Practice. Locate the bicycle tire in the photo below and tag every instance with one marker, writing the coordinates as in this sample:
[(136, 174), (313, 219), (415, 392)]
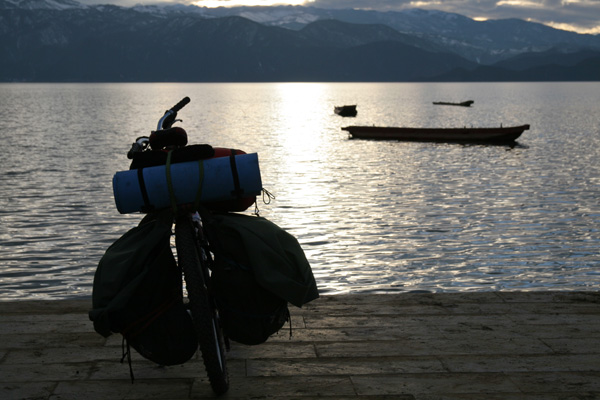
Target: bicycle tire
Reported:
[(204, 314)]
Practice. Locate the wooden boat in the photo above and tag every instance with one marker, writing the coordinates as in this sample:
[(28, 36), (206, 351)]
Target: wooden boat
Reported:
[(493, 135), (346, 111), (462, 103)]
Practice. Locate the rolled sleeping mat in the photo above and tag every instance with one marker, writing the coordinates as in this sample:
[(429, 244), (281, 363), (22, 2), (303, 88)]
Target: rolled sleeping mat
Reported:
[(207, 181)]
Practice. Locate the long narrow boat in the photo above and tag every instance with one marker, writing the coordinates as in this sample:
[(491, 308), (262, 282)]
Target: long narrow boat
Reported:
[(495, 135), (462, 103)]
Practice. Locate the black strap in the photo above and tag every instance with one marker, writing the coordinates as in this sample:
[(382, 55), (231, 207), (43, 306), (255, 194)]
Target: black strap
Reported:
[(147, 206), (170, 183), (238, 191), (127, 353), (200, 182)]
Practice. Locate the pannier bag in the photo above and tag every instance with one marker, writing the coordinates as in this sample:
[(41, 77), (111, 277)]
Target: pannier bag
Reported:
[(258, 269), (137, 291), (221, 179)]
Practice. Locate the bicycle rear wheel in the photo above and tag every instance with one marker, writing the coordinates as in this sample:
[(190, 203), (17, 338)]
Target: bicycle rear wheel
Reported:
[(204, 313)]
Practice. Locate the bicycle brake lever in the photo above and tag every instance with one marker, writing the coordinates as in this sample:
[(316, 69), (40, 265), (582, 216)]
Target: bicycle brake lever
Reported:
[(138, 146)]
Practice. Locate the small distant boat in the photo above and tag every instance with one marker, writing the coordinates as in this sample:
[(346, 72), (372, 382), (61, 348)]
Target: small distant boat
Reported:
[(346, 111), (462, 103), (473, 135)]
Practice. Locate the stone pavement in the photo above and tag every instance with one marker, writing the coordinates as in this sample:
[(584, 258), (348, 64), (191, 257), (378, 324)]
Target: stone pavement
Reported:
[(493, 345)]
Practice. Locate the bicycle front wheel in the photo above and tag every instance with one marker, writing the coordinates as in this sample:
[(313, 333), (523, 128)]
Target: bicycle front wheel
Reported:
[(204, 313)]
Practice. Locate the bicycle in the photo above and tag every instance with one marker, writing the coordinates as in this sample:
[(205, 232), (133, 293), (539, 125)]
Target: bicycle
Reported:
[(240, 271), (194, 258)]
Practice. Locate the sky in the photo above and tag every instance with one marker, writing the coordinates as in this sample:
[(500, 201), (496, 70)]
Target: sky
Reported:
[(582, 16)]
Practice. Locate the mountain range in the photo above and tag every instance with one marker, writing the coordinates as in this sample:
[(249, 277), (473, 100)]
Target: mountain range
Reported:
[(66, 41)]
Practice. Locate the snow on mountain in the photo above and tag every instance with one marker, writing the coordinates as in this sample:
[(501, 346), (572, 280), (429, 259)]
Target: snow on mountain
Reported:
[(281, 17), (41, 4), (168, 8)]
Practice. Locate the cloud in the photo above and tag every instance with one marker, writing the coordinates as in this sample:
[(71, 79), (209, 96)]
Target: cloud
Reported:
[(582, 15), (235, 3), (380, 5)]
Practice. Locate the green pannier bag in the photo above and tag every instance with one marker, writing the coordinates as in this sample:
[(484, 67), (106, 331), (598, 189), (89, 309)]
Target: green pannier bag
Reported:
[(258, 269), (137, 291)]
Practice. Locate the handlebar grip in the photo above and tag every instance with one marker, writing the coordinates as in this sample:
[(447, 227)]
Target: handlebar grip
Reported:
[(181, 104)]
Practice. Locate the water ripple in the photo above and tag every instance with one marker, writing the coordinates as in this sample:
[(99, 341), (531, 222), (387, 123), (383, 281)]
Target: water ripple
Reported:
[(372, 217)]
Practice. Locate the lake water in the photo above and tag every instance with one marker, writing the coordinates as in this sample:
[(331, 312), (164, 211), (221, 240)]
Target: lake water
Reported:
[(372, 216)]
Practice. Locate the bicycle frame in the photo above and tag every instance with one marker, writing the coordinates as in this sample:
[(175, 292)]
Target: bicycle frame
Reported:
[(195, 259)]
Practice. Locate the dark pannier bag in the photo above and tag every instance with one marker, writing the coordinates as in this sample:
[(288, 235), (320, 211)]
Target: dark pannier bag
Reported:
[(258, 269), (137, 291), (249, 313)]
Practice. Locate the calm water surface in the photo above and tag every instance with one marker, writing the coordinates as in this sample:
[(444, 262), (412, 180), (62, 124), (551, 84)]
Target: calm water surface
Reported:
[(372, 216)]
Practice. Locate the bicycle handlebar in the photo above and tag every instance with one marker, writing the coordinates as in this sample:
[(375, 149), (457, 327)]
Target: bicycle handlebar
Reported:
[(167, 120), (181, 104)]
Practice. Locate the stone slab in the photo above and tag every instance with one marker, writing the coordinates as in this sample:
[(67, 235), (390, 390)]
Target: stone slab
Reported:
[(405, 346)]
